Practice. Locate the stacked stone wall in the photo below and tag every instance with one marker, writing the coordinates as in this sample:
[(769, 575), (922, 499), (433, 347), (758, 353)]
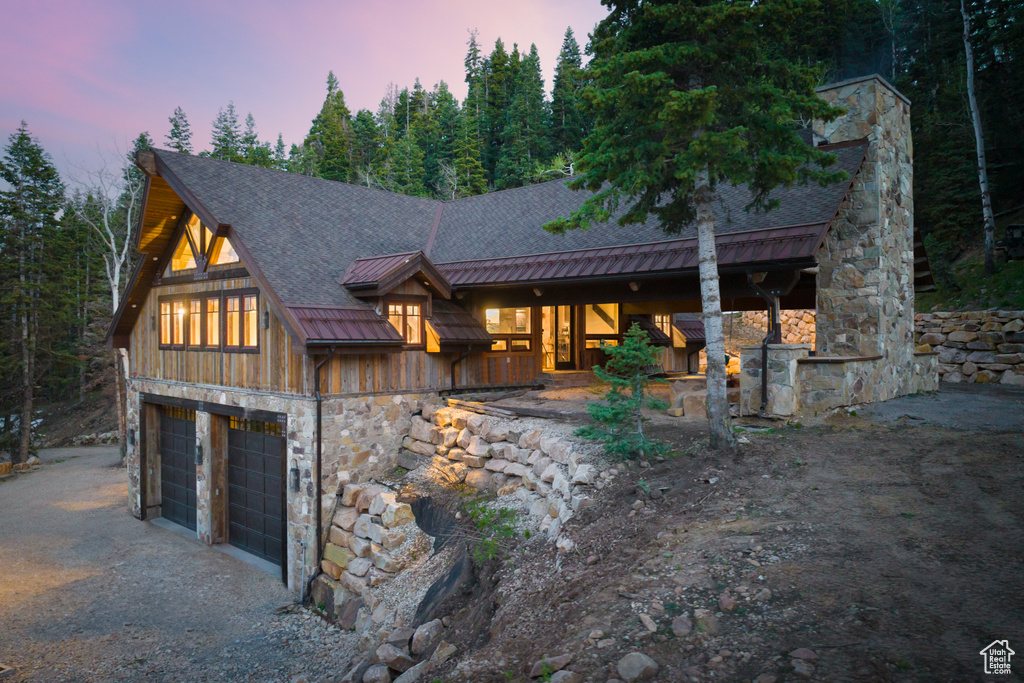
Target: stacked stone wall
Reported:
[(983, 347), (797, 325)]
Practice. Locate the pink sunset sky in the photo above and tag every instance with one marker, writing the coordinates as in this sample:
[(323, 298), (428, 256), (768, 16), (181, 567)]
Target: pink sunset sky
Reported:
[(89, 76)]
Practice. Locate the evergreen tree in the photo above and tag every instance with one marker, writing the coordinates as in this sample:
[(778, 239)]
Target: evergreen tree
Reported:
[(180, 136), (329, 135), (470, 178), (226, 142), (525, 143), (30, 275), (254, 152), (498, 97), (568, 124), (279, 159), (687, 96), (366, 141)]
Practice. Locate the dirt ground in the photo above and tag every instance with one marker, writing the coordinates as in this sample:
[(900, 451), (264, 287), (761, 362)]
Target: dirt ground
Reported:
[(889, 543)]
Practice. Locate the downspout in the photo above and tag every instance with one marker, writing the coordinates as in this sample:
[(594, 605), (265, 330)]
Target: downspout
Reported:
[(319, 461), (774, 336)]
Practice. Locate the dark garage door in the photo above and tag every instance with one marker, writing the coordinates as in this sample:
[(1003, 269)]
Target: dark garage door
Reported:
[(255, 479), (178, 465)]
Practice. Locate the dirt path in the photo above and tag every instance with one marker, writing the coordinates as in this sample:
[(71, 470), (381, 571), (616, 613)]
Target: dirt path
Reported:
[(890, 547), (87, 593)]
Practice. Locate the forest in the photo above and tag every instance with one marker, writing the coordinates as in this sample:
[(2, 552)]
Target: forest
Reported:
[(65, 248)]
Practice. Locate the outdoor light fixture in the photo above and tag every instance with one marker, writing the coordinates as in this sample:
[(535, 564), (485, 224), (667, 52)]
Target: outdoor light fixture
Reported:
[(635, 286), (537, 291), (293, 478), (266, 320)]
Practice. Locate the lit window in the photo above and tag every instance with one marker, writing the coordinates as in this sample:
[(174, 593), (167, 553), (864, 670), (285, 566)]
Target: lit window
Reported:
[(407, 318), (602, 319), (223, 252), (213, 321), (231, 325), (510, 328), (178, 325), (195, 322), (663, 321), (183, 259), (165, 323), (250, 327)]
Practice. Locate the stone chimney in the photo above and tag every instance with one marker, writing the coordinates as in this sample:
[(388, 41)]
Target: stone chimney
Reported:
[(865, 285)]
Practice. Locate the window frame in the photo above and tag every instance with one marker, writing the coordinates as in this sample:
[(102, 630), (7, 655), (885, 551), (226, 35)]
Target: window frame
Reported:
[(203, 298), (405, 301), (509, 339), (667, 329)]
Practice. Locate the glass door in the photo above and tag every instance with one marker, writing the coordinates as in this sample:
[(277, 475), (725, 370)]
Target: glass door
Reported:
[(565, 338)]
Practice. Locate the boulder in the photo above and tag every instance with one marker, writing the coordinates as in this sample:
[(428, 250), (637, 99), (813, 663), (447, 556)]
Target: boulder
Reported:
[(352, 583), (381, 501), (497, 433), (366, 496), (394, 658), (549, 665), (497, 464), (566, 677), (478, 424), (383, 560), (549, 473), (396, 515), (479, 447), (350, 493), (517, 470), (426, 637), (465, 436), (962, 336), (363, 526), (932, 338), (415, 674), (332, 570), (456, 454), (356, 673), (449, 437), (479, 478), (359, 566), (390, 538), (339, 536), (584, 474), (421, 430), (338, 555), (400, 637), (681, 626), (360, 547), (473, 461), (346, 519), (637, 666), (378, 673), (531, 440), (422, 448)]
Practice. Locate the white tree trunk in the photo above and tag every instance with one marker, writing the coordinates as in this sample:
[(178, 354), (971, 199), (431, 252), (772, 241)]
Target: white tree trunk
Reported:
[(979, 143), (711, 302)]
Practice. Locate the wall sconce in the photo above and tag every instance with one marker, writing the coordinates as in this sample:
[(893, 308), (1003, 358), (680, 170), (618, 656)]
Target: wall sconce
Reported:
[(199, 454), (635, 286), (293, 478), (266, 320), (537, 291)]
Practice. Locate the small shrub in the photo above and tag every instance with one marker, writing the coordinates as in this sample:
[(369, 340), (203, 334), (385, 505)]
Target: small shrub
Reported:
[(495, 528)]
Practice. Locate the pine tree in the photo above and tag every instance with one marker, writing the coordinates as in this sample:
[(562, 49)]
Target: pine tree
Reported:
[(254, 152), (226, 142), (525, 143), (366, 140), (498, 96), (568, 124), (329, 135), (180, 136), (28, 214), (687, 96), (279, 159), (470, 178)]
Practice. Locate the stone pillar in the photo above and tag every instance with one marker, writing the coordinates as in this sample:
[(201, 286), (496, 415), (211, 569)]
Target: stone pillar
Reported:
[(783, 387), (134, 425), (204, 479), (865, 288)]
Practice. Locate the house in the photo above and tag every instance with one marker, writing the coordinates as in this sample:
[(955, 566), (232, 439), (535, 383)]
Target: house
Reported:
[(997, 656), (282, 329)]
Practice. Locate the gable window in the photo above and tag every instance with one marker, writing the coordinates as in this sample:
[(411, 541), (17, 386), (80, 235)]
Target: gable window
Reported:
[(183, 258), (222, 252), (663, 321), (198, 242), (511, 328), (407, 318)]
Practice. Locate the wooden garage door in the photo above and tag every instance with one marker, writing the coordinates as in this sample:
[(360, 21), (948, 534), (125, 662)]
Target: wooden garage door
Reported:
[(178, 465), (255, 488)]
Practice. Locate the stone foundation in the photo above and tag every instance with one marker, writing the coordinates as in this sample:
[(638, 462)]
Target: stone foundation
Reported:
[(797, 325), (983, 347)]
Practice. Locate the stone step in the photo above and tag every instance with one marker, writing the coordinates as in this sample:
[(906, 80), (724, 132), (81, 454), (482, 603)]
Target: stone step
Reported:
[(565, 379)]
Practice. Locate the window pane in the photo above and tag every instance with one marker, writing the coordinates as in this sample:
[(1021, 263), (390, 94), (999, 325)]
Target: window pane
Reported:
[(223, 252), (183, 258), (250, 329), (508, 320), (520, 344), (499, 345), (412, 324), (231, 330), (179, 322), (165, 322), (603, 319), (195, 322), (195, 229), (213, 322), (395, 316)]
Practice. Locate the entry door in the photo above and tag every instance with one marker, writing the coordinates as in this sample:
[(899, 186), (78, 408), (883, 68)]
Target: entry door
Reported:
[(255, 488), (565, 338), (178, 466)]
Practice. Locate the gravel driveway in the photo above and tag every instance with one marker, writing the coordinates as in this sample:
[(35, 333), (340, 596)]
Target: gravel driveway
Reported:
[(88, 593)]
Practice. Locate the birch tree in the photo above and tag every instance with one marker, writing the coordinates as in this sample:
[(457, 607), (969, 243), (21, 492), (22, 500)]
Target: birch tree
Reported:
[(979, 144), (687, 96)]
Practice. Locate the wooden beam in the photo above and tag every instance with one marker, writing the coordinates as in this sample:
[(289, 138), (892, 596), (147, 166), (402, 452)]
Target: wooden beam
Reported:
[(146, 160)]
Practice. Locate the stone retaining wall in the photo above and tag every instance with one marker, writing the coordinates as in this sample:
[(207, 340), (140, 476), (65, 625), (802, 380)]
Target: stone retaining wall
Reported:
[(975, 346), (797, 325)]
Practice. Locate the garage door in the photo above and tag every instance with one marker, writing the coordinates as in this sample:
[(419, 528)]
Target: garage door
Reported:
[(255, 479), (178, 465)]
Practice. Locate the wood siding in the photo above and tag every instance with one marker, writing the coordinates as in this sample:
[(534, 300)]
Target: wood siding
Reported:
[(274, 368)]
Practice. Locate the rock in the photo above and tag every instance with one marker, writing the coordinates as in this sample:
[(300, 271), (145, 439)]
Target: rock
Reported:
[(422, 448), (932, 338), (517, 470), (566, 677), (479, 447), (549, 473), (350, 493), (479, 479), (478, 424), (347, 615), (443, 652), (681, 626), (766, 678), (400, 637), (1012, 378), (531, 440), (338, 555), (397, 515), (804, 653), (366, 496), (962, 336), (339, 536), (332, 570), (637, 666), (763, 595), (421, 430), (407, 460), (355, 674), (359, 566), (803, 669), (695, 404), (648, 623), (585, 474), (363, 526), (347, 519), (381, 501), (394, 658), (1014, 326), (561, 484), (726, 602), (465, 436), (449, 437), (360, 546), (352, 583), (497, 464), (497, 433), (426, 636), (565, 544), (705, 621), (383, 560), (378, 673), (390, 538), (415, 674), (549, 665)]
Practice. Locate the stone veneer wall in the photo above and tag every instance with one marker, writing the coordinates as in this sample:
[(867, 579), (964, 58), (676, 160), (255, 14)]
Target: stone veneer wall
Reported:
[(797, 325), (361, 439), (865, 282), (982, 347)]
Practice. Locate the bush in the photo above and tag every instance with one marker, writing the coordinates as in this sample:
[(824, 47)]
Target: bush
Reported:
[(620, 421)]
